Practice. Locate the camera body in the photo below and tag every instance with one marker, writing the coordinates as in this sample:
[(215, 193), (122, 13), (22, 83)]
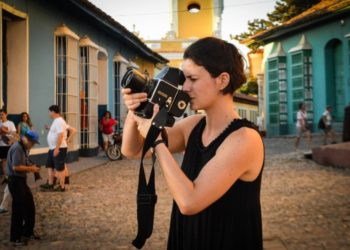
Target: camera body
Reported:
[(164, 90)]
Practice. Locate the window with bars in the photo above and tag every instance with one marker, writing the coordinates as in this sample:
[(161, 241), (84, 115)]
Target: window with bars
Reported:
[(61, 74), (253, 114), (242, 113), (302, 86), (67, 78), (88, 97), (277, 72)]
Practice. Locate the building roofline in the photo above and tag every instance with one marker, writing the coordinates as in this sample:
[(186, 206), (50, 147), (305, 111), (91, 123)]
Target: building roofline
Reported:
[(243, 98), (302, 21), (124, 34)]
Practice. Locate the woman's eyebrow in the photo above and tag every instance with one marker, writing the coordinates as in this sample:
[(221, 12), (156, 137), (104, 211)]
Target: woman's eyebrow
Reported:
[(190, 76)]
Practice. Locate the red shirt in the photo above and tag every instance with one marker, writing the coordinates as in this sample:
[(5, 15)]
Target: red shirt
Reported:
[(107, 126)]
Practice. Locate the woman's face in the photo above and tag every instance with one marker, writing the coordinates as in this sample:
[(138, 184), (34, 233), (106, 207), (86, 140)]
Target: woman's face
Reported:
[(24, 117), (199, 85), (107, 115)]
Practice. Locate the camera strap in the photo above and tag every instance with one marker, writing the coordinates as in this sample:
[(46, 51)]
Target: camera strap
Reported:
[(146, 193)]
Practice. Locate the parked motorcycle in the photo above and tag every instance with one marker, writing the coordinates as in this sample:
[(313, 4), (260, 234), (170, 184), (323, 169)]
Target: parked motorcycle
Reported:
[(114, 151)]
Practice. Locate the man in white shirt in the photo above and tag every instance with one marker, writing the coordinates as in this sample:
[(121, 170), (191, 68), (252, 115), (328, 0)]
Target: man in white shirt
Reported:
[(57, 154), (328, 130), (7, 132), (7, 136), (302, 126)]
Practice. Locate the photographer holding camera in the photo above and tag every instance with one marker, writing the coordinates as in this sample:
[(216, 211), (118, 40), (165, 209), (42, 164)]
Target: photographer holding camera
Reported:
[(217, 190), (23, 207)]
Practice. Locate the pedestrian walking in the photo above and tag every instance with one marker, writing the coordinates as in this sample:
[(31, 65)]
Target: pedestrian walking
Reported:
[(7, 137), (24, 125), (302, 126), (328, 129), (107, 128), (217, 190), (57, 154), (23, 207)]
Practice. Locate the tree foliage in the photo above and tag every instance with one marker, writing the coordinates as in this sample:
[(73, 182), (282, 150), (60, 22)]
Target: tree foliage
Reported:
[(250, 87), (284, 10)]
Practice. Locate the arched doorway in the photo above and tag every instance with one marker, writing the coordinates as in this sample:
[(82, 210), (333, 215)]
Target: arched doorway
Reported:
[(335, 95)]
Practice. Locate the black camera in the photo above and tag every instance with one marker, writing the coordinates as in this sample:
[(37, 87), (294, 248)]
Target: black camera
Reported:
[(164, 90)]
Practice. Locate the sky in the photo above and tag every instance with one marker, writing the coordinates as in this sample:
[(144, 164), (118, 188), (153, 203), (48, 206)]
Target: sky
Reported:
[(152, 17)]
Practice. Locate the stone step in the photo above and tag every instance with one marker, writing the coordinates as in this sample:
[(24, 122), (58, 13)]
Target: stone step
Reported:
[(337, 155)]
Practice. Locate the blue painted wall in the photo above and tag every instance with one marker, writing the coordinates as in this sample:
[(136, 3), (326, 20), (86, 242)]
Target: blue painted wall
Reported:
[(318, 37), (44, 18)]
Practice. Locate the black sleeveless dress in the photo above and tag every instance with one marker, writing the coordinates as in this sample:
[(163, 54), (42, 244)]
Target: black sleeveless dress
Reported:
[(233, 221)]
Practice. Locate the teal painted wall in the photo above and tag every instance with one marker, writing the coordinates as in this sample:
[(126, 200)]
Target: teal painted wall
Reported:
[(44, 18), (318, 37)]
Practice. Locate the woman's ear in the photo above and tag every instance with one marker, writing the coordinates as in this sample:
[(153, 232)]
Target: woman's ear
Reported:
[(224, 80)]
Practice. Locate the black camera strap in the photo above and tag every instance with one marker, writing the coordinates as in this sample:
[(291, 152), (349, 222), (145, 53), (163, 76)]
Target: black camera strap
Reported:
[(146, 193)]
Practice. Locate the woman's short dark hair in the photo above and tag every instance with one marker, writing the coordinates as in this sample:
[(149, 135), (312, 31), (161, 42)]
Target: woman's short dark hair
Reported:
[(218, 56), (54, 108), (107, 112), (301, 105)]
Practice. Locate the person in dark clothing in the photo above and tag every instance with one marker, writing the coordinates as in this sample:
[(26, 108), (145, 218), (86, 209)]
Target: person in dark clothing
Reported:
[(216, 191), (23, 207)]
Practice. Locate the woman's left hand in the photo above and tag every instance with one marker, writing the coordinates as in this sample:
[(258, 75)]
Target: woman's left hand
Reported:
[(143, 125)]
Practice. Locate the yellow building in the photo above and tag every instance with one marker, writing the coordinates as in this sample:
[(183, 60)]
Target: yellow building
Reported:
[(191, 20)]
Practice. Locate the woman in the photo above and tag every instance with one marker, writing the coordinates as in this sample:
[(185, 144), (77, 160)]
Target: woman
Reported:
[(302, 126), (328, 130), (217, 190), (24, 125), (106, 126)]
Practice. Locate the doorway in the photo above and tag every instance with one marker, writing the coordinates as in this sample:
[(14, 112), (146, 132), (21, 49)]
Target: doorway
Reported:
[(14, 69), (335, 95)]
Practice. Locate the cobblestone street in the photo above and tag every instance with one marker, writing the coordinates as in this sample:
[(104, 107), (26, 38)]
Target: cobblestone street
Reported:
[(305, 206)]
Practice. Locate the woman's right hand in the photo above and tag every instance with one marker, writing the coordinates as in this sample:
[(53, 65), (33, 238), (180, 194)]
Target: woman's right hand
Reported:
[(133, 101)]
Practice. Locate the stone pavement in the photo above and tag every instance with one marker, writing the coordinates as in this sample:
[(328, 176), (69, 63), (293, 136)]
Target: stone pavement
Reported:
[(304, 206)]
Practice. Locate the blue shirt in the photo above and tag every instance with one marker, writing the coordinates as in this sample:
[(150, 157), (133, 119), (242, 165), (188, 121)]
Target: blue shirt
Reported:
[(16, 156)]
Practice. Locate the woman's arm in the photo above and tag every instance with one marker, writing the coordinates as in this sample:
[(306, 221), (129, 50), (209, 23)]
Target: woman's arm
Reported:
[(240, 156), (177, 135), (19, 129), (133, 141), (114, 122)]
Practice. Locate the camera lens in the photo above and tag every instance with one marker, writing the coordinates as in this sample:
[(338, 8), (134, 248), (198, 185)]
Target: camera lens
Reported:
[(135, 81)]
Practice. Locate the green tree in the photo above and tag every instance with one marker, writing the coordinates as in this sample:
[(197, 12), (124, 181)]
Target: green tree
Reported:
[(287, 9), (254, 27), (284, 10), (250, 87)]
